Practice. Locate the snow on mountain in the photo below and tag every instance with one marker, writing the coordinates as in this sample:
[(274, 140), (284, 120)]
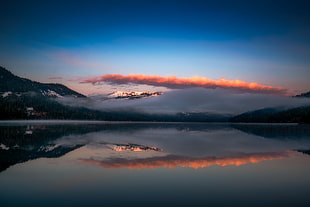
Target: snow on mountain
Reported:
[(50, 93), (46, 93), (133, 95), (6, 94), (4, 147), (11, 84)]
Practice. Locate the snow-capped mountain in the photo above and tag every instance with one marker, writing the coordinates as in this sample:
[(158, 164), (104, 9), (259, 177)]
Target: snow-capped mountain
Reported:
[(12, 85), (46, 93), (22, 98), (133, 95)]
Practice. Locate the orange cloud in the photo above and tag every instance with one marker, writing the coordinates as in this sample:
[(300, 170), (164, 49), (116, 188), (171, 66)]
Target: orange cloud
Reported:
[(174, 82), (172, 161)]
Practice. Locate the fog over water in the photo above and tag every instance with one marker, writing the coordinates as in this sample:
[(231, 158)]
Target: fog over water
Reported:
[(222, 101)]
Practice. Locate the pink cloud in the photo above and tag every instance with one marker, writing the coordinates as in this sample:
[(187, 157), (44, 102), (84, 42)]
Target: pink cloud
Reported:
[(172, 161), (174, 82)]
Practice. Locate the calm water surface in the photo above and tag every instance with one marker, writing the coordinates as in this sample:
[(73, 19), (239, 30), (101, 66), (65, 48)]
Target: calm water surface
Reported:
[(153, 164)]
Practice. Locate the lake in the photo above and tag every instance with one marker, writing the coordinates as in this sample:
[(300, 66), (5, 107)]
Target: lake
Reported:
[(55, 163)]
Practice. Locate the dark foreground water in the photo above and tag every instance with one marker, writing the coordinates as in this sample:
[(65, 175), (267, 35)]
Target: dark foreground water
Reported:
[(153, 164)]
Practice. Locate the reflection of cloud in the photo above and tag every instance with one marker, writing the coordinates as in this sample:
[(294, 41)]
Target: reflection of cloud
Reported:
[(174, 82), (172, 161)]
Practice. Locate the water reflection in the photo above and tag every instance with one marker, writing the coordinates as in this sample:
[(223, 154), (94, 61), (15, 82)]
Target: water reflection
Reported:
[(153, 164), (276, 131), (176, 145), (18, 145), (173, 161)]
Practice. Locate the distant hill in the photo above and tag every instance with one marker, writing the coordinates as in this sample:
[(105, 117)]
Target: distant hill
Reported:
[(22, 98), (304, 95), (276, 115), (11, 84), (294, 115)]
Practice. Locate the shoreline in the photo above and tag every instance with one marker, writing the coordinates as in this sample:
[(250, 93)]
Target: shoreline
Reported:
[(61, 121)]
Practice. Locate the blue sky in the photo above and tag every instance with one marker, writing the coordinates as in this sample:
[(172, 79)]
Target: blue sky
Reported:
[(267, 42)]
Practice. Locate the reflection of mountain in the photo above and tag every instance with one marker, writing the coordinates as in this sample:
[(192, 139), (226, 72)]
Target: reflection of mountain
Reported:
[(22, 143), (276, 131), (173, 161), (13, 156), (135, 126), (149, 144), (133, 147)]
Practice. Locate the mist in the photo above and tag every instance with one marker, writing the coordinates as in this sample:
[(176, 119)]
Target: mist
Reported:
[(222, 101)]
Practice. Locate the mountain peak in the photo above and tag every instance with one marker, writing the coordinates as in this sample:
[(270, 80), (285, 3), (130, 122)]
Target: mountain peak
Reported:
[(133, 94), (14, 84), (5, 73)]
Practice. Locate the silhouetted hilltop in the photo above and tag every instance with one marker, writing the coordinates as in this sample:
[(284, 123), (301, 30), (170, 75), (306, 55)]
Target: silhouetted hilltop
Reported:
[(307, 95), (294, 115), (11, 84)]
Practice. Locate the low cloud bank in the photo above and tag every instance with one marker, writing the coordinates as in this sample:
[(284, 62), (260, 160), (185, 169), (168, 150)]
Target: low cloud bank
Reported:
[(221, 101)]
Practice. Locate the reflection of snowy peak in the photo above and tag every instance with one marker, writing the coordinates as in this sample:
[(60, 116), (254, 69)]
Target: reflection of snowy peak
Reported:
[(133, 95), (134, 147)]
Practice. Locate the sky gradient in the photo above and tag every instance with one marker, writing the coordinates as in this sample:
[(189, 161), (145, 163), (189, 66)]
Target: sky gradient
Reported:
[(265, 42)]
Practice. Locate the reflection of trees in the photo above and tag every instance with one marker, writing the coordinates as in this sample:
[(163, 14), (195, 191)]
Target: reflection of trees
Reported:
[(13, 156), (21, 145), (30, 141), (276, 131)]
